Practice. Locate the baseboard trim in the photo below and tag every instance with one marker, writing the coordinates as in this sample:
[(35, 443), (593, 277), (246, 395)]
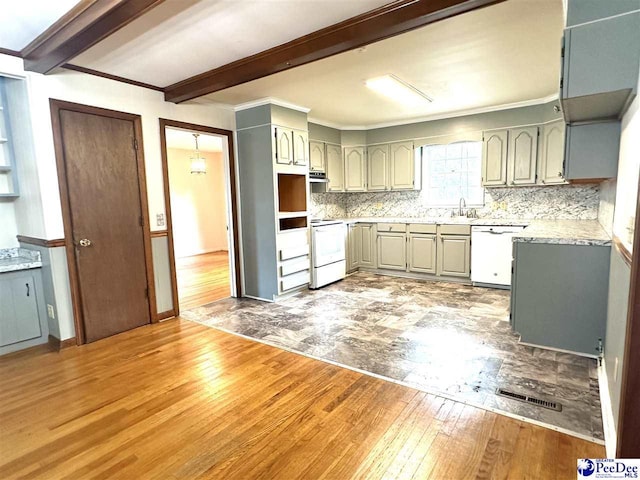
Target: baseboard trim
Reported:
[(56, 344), (580, 354), (608, 423)]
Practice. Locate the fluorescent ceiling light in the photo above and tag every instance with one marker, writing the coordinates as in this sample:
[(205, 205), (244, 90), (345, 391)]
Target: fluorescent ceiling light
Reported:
[(398, 90)]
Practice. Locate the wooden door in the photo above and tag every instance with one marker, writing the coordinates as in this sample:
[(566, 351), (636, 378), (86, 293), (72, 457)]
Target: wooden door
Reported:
[(523, 156), (367, 246), (300, 147), (552, 153), (354, 169), (316, 156), (335, 168), (422, 253), (402, 166), (454, 255), (494, 158), (378, 159), (392, 252), (105, 220), (283, 146)]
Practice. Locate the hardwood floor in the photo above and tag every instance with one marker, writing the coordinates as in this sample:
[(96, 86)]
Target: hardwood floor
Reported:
[(202, 279), (181, 400)]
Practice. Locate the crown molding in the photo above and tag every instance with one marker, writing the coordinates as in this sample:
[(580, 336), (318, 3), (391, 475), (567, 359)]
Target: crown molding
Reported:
[(270, 101), (439, 116)]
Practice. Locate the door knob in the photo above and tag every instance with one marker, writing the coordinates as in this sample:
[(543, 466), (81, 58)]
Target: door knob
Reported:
[(85, 242)]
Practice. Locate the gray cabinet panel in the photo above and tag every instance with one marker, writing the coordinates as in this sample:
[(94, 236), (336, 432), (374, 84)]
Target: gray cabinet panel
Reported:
[(454, 255), (560, 295), (592, 150), (354, 243), (522, 156), (378, 167), (335, 168), (392, 251), (367, 245), (354, 169), (422, 253), (494, 158), (552, 153), (316, 156), (582, 11)]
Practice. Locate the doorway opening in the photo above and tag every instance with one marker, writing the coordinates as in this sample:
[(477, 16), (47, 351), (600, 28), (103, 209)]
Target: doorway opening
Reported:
[(200, 205)]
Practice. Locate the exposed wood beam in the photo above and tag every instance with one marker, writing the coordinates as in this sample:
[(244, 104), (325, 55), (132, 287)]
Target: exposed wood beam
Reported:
[(393, 19), (81, 28)]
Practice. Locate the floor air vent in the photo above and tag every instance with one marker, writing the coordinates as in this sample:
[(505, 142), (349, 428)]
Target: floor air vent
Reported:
[(531, 400)]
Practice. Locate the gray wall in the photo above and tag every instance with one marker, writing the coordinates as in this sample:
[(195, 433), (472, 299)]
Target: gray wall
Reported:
[(162, 274), (324, 134), (619, 285)]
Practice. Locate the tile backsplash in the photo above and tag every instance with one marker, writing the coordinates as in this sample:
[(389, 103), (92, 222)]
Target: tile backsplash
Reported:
[(571, 202)]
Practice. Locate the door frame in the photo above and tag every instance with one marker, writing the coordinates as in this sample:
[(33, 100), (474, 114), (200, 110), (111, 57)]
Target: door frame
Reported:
[(167, 203), (56, 107)]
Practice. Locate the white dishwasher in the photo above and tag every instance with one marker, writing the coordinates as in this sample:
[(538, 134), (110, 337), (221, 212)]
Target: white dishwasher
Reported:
[(491, 255)]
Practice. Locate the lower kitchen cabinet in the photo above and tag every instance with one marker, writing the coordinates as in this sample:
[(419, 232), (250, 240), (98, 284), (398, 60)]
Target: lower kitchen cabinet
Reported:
[(23, 321), (354, 246), (559, 295), (454, 255), (422, 253), (367, 245), (392, 251)]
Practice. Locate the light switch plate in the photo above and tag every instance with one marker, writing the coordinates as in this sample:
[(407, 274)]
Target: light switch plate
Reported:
[(51, 312)]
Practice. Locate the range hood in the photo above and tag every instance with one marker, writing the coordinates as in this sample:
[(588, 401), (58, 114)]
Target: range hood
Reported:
[(318, 177)]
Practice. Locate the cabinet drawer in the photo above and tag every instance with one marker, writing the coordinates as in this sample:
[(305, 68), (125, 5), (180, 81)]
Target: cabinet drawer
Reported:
[(422, 228), (294, 251), (295, 280), (455, 229), (392, 227), (293, 266)]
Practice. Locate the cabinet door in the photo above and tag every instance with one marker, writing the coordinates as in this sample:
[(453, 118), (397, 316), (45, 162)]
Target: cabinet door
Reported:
[(523, 156), (316, 156), (335, 168), (422, 253), (300, 147), (402, 161), (454, 255), (354, 169), (19, 318), (392, 251), (367, 246), (354, 247), (378, 167), (284, 146), (494, 158), (552, 153)]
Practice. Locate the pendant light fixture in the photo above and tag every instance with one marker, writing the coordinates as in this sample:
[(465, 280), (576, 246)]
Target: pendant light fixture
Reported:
[(198, 163)]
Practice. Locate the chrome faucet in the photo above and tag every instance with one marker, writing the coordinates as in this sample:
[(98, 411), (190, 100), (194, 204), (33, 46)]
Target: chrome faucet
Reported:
[(461, 206)]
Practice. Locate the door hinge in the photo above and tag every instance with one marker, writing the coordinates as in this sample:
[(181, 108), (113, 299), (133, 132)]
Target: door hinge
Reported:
[(141, 221), (135, 144), (511, 269), (146, 292)]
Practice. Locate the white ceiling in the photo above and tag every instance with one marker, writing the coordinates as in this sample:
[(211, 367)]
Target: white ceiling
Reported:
[(183, 139), (23, 20), (500, 55), (182, 38)]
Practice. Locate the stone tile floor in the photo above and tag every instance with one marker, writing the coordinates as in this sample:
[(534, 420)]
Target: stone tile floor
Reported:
[(436, 336)]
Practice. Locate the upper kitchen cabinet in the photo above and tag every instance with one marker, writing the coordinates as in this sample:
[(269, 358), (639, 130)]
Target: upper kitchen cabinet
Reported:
[(316, 156), (355, 169), (551, 153), (334, 165), (600, 64), (592, 151), (283, 145), (378, 168), (404, 167), (522, 154), (494, 158), (300, 147)]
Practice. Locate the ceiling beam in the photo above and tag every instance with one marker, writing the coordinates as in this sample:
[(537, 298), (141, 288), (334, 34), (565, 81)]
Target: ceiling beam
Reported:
[(393, 19), (82, 27)]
